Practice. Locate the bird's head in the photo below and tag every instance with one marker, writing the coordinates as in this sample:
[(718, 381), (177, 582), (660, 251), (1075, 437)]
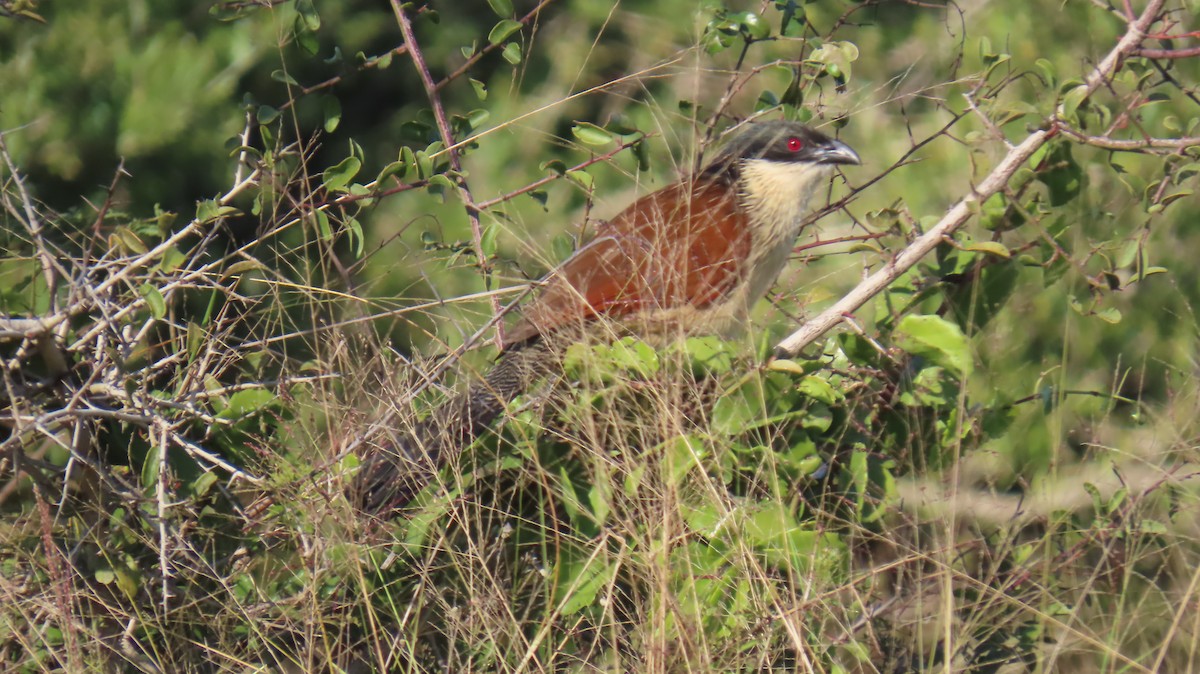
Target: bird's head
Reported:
[(781, 142), (776, 168)]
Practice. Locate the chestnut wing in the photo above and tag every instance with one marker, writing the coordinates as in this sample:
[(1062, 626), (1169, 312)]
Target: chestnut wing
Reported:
[(686, 244)]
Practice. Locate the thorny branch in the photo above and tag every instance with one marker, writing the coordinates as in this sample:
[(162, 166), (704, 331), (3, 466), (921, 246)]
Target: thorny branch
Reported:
[(995, 181)]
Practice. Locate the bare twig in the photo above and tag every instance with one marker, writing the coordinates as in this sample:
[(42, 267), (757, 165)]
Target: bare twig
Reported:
[(160, 438), (1166, 145), (1167, 53)]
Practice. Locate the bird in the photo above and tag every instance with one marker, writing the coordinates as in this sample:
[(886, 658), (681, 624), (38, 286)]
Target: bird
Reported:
[(690, 258)]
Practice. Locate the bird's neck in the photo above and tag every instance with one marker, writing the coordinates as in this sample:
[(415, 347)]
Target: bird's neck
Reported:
[(775, 197)]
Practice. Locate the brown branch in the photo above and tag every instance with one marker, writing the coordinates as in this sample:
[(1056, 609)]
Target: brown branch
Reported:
[(1181, 36), (1163, 144), (961, 211), (1167, 53), (15, 327), (841, 239), (443, 124)]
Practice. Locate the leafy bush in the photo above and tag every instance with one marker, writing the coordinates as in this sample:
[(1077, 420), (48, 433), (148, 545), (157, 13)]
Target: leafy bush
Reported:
[(243, 247)]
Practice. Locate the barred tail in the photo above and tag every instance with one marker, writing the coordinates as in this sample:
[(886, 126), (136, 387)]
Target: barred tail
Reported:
[(392, 474)]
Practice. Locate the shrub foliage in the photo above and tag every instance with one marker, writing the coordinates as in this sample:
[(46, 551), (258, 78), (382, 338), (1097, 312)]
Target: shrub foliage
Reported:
[(241, 246)]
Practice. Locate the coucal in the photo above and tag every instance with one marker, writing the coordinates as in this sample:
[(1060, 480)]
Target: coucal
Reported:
[(690, 258)]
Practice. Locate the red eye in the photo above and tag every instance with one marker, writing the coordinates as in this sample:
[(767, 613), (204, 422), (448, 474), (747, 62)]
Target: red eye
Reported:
[(794, 144)]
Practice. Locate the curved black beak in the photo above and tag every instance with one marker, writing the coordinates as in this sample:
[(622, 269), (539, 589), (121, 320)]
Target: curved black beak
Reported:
[(835, 152)]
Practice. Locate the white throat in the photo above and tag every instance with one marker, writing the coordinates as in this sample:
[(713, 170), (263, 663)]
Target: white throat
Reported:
[(775, 196)]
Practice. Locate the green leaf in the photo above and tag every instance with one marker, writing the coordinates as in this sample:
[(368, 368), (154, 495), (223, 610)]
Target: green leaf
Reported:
[(171, 260), (754, 27), (580, 580), (1039, 155), (716, 38), (202, 484), (308, 13), (354, 228), (424, 164), (785, 365), (704, 519), (582, 178), (154, 300), (282, 76), (487, 241), (248, 401), (477, 117), (991, 248), (771, 526), (306, 38), (150, 467), (480, 89), (241, 267), (775, 532), (502, 8), (708, 355), (1063, 176), (409, 157), (396, 168), (324, 229), (681, 455), (502, 30), (938, 340), (569, 497), (791, 24), (540, 196), (512, 53), (767, 100), (1071, 101), (194, 340), (1153, 527), (738, 411), (555, 165), (635, 356), (590, 134), (820, 390), (837, 58), (337, 177), (1175, 196), (266, 114), (439, 185), (1046, 69), (642, 151), (331, 107), (600, 499)]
